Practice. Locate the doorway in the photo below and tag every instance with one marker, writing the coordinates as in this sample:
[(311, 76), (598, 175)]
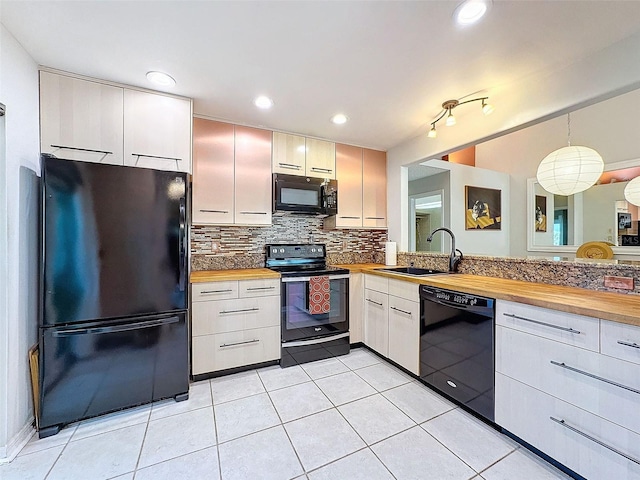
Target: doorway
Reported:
[(427, 213)]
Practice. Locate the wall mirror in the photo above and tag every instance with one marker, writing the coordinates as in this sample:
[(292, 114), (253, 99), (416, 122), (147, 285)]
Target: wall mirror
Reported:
[(599, 214)]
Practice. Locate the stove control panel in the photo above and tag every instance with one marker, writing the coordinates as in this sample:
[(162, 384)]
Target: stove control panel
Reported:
[(296, 251)]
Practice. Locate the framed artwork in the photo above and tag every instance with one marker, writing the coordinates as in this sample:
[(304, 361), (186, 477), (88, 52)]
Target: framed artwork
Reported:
[(624, 221), (483, 208), (540, 217)]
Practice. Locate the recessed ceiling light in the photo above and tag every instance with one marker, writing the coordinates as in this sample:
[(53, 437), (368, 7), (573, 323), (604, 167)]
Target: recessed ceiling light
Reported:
[(263, 102), (470, 11), (160, 78), (339, 118)]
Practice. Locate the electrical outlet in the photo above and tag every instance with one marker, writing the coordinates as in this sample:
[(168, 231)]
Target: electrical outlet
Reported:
[(215, 246), (344, 245), (623, 283)]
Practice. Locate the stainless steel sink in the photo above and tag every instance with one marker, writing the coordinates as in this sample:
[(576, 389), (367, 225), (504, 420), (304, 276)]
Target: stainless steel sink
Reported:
[(415, 271)]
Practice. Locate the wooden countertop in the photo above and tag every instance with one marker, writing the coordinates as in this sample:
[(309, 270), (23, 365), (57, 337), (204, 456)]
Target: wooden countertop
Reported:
[(222, 275), (616, 307)]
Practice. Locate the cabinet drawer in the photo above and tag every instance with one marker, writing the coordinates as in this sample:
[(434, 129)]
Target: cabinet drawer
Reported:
[(235, 314), (563, 327), (379, 284), (201, 292), (528, 413), (602, 385), (620, 341), (406, 290), (259, 287), (235, 349)]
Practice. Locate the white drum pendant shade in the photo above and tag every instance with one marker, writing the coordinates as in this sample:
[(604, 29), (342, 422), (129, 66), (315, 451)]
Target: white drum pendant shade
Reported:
[(570, 170), (632, 191)]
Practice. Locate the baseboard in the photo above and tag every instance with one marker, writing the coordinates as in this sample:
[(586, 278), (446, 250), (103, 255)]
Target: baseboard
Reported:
[(11, 450)]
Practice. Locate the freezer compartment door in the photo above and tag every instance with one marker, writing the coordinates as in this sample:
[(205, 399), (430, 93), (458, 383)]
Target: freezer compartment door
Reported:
[(101, 367)]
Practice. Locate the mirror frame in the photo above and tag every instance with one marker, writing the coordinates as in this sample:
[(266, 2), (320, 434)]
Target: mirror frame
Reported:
[(578, 233)]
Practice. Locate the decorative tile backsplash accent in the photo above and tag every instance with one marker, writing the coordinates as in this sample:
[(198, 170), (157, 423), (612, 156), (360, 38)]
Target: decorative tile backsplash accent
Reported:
[(223, 247), (589, 275)]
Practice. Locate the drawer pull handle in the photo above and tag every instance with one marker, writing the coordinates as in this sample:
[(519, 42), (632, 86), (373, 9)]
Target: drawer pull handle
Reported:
[(352, 218), (290, 165), (255, 340), (318, 169), (253, 213), (587, 436), (376, 303), (402, 311), (551, 325), (591, 375), (374, 218), (243, 310), (214, 211), (261, 288), (217, 291), (628, 344)]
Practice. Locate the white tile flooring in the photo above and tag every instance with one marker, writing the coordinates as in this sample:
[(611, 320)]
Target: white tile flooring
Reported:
[(354, 417)]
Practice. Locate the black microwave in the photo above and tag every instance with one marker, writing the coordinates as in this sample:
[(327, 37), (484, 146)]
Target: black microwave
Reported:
[(313, 196)]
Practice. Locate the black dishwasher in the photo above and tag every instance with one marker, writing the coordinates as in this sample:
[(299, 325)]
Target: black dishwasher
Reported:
[(456, 347)]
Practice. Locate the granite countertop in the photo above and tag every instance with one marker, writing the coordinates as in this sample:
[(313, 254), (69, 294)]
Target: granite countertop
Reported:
[(616, 307)]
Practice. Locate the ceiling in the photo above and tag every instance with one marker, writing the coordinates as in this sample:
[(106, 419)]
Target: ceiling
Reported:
[(387, 65)]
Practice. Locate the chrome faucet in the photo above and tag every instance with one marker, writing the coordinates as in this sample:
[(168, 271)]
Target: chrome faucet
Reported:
[(454, 259)]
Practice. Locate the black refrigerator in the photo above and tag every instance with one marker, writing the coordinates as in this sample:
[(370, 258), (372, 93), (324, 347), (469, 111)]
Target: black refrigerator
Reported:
[(113, 319)]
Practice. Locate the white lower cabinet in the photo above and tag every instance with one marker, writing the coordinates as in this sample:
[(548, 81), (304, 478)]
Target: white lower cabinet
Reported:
[(356, 307), (234, 323), (392, 320), (581, 441), (565, 385)]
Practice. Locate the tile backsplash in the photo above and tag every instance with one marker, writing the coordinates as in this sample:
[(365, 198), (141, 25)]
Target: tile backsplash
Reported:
[(223, 247)]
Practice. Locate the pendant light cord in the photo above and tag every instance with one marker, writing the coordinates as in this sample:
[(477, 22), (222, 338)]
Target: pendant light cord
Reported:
[(569, 129)]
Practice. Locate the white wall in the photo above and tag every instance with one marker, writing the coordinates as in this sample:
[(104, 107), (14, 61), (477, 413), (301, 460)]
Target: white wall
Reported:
[(18, 318), (607, 73)]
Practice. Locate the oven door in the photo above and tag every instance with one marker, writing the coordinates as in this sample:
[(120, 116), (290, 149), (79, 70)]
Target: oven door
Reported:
[(298, 323), (297, 194)]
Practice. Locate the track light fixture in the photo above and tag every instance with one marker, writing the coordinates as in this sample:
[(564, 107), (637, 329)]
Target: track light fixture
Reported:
[(447, 109)]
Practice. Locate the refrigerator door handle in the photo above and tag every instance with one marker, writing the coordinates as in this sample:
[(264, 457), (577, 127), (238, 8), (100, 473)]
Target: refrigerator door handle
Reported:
[(117, 328), (181, 244)]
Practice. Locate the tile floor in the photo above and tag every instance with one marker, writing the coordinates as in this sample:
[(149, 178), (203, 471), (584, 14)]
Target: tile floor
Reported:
[(354, 417)]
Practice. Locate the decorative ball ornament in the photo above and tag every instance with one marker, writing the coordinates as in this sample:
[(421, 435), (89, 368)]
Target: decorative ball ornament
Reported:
[(632, 191), (570, 170)]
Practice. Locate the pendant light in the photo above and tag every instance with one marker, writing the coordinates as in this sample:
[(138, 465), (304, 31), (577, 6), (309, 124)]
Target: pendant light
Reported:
[(570, 169), (632, 191)]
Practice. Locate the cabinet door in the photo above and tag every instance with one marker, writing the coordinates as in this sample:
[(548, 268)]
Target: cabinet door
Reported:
[(157, 131), (212, 194), (80, 120), (321, 159), (349, 176), (374, 188), (404, 333), (253, 176), (288, 154), (376, 321), (356, 307)]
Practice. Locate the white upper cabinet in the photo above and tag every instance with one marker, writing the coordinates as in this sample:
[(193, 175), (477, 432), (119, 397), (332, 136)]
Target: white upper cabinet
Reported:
[(253, 201), (296, 155), (321, 159), (81, 120), (288, 154), (157, 131), (213, 172)]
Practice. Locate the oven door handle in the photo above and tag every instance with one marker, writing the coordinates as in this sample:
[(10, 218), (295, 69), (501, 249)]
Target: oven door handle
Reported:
[(306, 279)]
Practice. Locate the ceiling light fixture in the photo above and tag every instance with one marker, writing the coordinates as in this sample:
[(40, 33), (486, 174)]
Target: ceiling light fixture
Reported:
[(571, 169), (263, 102), (447, 108), (160, 78), (469, 12), (339, 118), (632, 191)]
